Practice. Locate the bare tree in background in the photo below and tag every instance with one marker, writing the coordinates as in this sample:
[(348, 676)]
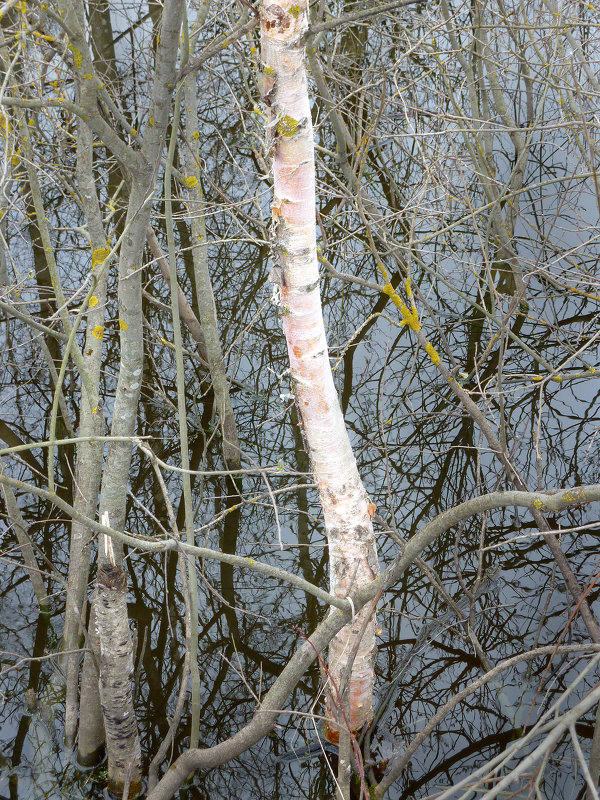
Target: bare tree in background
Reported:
[(439, 164)]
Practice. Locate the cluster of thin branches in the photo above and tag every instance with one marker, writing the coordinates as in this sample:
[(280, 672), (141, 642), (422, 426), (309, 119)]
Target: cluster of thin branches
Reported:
[(458, 203)]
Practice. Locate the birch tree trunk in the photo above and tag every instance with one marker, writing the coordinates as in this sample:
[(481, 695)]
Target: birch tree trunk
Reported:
[(352, 553), (116, 673)]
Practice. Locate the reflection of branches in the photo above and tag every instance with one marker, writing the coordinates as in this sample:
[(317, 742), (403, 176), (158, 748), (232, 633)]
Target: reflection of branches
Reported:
[(456, 145), (28, 659), (272, 703), (547, 501), (402, 761), (551, 724)]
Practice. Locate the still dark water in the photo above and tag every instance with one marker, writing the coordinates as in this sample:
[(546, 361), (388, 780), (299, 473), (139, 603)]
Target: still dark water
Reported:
[(417, 452), (418, 456)]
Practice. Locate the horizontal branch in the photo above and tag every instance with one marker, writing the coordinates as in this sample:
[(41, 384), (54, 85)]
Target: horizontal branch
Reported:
[(535, 501), (162, 544), (10, 309), (273, 702), (138, 440)]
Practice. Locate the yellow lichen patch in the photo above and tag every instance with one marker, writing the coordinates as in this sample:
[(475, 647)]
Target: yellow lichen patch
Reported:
[(93, 301), (295, 10), (99, 255), (557, 379), (432, 353), (536, 378), (268, 71), (408, 288), (287, 126), (384, 272), (537, 504), (573, 496), (123, 325), (15, 159), (410, 318), (251, 561), (98, 332), (77, 57), (191, 181), (195, 135), (94, 411)]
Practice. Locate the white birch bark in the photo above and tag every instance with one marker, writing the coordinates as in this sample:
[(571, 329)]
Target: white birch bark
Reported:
[(352, 553)]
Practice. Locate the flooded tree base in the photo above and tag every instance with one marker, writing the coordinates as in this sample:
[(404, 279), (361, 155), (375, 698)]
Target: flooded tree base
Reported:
[(90, 760), (116, 674)]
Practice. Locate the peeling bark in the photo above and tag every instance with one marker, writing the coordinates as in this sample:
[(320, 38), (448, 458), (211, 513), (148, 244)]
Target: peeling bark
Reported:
[(116, 672), (352, 553)]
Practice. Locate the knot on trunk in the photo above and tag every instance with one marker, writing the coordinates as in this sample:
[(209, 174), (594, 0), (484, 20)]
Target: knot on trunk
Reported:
[(112, 577), (275, 18)]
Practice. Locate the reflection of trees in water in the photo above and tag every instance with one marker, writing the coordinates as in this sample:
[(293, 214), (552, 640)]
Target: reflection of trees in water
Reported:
[(441, 175)]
